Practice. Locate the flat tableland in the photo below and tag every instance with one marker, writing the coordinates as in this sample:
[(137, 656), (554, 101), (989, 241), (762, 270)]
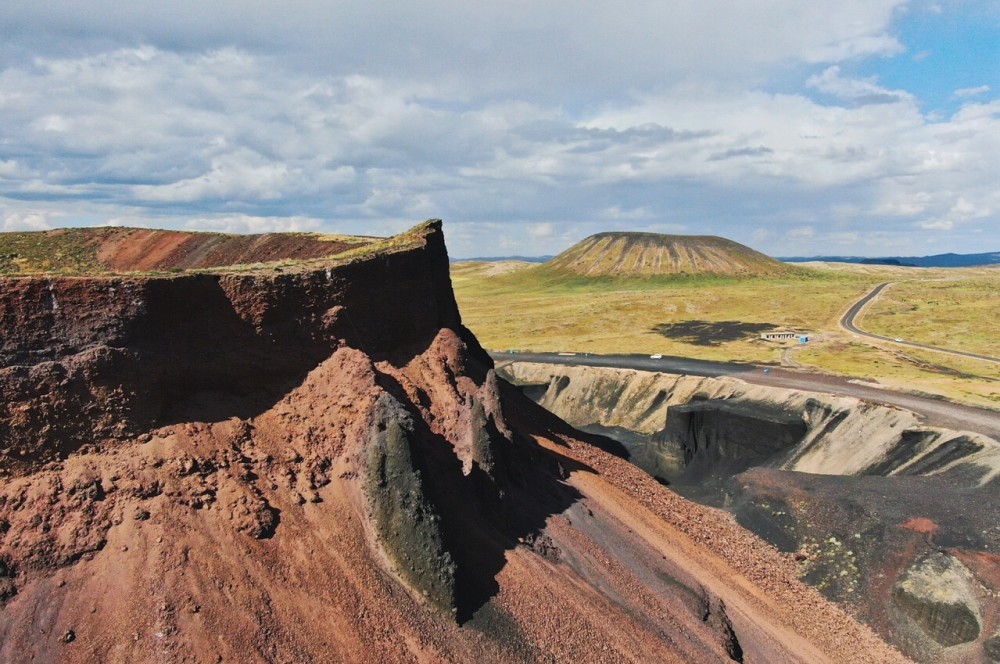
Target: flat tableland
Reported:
[(524, 306)]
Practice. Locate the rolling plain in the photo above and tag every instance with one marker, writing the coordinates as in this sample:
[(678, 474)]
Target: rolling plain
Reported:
[(520, 305)]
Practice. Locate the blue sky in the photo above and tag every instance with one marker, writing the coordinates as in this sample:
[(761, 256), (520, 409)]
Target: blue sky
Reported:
[(948, 48), (865, 127)]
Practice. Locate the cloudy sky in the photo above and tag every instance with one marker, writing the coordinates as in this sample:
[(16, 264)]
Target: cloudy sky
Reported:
[(863, 127)]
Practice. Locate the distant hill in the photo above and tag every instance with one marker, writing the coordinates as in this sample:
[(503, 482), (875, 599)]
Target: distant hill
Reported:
[(493, 259), (653, 254), (937, 260)]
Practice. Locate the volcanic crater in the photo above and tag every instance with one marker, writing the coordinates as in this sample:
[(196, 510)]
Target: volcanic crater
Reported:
[(312, 460)]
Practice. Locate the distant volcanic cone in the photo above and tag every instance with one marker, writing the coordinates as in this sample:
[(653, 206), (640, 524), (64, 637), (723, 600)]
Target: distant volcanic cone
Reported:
[(653, 254)]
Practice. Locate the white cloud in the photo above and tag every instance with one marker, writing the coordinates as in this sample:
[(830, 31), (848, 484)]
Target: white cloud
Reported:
[(667, 228), (545, 229), (860, 91), (762, 235), (8, 168), (511, 118), (617, 212), (972, 92), (249, 224), (26, 221), (903, 203), (802, 233), (939, 225), (848, 239), (483, 48)]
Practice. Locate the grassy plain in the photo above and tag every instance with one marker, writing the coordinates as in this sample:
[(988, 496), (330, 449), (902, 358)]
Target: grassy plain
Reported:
[(954, 313), (529, 307)]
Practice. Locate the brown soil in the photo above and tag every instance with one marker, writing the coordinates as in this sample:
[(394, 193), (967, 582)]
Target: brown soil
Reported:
[(322, 466), (145, 250), (90, 251), (919, 524)]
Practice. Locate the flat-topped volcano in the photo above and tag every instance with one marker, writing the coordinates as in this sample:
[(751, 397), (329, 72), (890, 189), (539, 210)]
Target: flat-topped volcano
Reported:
[(653, 254)]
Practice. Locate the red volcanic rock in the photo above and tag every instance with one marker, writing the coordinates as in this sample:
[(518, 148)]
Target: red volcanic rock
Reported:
[(321, 465)]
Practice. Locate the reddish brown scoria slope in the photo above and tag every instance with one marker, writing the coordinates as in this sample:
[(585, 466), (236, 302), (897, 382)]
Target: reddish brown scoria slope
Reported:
[(331, 472)]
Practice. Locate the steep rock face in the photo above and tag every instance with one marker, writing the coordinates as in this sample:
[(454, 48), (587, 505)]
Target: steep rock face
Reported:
[(86, 360), (780, 428), (727, 437), (321, 465)]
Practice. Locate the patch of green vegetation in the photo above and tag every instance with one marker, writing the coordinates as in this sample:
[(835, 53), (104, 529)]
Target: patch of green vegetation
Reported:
[(541, 309), (951, 313), (545, 279), (66, 251), (831, 565)]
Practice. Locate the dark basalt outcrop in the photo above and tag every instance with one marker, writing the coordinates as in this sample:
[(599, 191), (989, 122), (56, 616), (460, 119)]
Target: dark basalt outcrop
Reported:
[(720, 438), (405, 520)]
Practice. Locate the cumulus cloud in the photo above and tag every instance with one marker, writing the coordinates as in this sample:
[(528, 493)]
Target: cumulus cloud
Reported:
[(858, 91), (482, 48), (759, 151), (972, 92), (8, 168), (26, 221), (524, 126), (618, 212), (802, 232), (248, 224), (545, 229), (937, 225)]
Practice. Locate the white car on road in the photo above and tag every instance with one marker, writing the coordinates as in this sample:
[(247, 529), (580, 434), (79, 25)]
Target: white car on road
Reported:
[(656, 357)]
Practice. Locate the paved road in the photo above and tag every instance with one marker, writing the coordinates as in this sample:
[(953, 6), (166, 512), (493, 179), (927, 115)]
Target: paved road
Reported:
[(936, 412), (850, 323)]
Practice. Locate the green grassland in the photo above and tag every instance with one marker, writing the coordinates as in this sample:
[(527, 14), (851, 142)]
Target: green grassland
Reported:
[(68, 251), (525, 306), (962, 314)]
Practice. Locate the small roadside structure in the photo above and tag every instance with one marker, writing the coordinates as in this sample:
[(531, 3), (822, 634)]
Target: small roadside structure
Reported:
[(801, 337), (778, 336)]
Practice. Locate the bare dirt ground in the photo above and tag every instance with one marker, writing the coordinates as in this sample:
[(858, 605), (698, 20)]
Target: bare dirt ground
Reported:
[(144, 250)]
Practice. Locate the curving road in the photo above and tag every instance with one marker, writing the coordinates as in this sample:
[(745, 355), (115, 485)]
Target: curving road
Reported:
[(935, 411), (850, 323)]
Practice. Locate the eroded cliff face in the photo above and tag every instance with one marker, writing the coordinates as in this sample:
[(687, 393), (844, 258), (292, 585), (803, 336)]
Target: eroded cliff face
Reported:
[(680, 428), (319, 464), (97, 360), (861, 494)]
